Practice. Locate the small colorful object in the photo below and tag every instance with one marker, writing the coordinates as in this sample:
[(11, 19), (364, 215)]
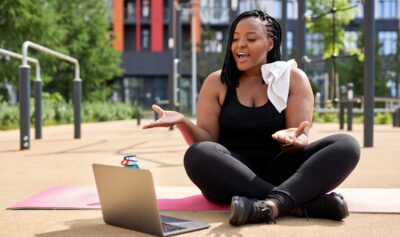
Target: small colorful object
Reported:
[(130, 161)]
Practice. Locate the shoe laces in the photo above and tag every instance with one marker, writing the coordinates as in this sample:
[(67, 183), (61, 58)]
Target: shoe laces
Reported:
[(262, 212)]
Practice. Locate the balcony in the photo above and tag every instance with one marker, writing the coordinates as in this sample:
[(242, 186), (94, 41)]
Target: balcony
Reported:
[(145, 63)]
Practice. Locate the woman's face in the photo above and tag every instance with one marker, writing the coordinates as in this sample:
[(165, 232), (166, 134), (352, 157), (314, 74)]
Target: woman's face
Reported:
[(250, 44)]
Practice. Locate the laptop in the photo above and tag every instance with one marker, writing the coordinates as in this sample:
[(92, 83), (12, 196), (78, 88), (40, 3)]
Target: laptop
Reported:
[(128, 200)]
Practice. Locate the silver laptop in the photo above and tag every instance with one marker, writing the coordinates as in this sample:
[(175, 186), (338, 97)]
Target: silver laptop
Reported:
[(128, 200)]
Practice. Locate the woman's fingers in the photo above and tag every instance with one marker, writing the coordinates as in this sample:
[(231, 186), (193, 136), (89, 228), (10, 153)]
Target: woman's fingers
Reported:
[(300, 129), (157, 109)]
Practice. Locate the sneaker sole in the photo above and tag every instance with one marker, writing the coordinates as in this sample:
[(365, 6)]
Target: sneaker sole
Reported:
[(237, 217)]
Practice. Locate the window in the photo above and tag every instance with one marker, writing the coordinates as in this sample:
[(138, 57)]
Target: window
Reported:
[(130, 11), (214, 11), (145, 8), (351, 40), (291, 9), (133, 87), (314, 44), (277, 9), (145, 39), (387, 42), (246, 5), (387, 9), (214, 45), (360, 11), (289, 42)]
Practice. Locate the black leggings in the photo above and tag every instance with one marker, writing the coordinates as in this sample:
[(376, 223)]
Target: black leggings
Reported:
[(291, 179)]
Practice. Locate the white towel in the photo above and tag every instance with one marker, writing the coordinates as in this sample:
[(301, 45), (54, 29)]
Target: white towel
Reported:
[(277, 76)]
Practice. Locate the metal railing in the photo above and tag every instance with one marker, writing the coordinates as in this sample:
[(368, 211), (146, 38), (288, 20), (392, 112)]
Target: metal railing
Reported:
[(24, 92), (38, 82)]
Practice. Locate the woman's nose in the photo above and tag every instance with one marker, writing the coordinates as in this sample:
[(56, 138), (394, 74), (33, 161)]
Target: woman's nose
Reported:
[(241, 43)]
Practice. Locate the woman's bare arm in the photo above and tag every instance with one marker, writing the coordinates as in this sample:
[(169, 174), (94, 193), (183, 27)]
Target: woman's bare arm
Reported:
[(208, 109)]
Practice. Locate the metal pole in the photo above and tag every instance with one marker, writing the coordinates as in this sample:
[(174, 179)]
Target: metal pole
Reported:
[(194, 61), (172, 51), (350, 106), (341, 106), (300, 33), (284, 22), (37, 88), (77, 107), (175, 84), (38, 108), (369, 72), (77, 80), (24, 95)]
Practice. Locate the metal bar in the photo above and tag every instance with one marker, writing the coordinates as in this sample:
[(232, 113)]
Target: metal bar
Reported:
[(77, 108), (284, 22), (38, 109), (194, 63), (77, 80), (38, 80), (28, 44), (300, 33), (369, 72), (19, 56), (171, 46), (24, 95)]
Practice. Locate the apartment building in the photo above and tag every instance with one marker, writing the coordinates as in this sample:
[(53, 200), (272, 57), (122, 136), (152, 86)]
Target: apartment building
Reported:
[(142, 30)]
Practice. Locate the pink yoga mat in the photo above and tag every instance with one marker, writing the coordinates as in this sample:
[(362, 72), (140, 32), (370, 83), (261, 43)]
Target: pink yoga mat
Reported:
[(189, 198)]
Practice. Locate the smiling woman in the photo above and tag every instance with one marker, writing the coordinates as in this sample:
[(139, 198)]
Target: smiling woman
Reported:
[(250, 141)]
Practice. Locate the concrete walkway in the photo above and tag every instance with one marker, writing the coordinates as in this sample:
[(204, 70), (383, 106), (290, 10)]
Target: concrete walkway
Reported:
[(58, 159)]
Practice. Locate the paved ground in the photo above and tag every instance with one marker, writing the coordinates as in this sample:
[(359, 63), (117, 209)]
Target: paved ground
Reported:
[(58, 159)]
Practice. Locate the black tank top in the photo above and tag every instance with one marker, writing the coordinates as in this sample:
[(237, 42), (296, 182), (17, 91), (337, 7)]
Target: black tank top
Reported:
[(247, 130)]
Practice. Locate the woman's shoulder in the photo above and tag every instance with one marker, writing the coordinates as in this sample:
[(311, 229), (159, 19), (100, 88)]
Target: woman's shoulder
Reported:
[(296, 74), (214, 80)]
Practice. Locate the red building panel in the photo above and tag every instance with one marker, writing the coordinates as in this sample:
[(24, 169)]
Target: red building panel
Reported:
[(156, 30)]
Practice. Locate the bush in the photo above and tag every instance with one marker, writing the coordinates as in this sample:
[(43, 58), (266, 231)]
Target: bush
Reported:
[(9, 116), (55, 110)]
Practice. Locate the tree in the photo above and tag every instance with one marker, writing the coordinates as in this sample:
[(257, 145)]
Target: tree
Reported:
[(76, 28), (351, 69), (23, 20), (87, 39), (328, 20), (209, 60)]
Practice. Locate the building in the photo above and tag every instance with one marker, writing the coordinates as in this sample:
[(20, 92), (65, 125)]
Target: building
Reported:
[(143, 29)]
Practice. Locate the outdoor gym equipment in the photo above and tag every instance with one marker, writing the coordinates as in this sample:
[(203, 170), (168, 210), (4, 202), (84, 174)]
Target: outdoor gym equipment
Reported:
[(24, 92), (38, 89)]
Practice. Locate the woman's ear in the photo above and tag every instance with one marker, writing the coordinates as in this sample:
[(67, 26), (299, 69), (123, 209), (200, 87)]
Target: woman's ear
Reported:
[(270, 44)]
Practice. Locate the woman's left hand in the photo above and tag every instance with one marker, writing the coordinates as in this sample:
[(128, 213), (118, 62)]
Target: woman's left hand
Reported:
[(292, 138)]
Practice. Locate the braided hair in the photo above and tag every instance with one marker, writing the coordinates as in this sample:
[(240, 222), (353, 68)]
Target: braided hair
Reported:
[(230, 73)]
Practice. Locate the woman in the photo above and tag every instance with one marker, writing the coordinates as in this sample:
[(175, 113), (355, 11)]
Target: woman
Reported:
[(249, 146)]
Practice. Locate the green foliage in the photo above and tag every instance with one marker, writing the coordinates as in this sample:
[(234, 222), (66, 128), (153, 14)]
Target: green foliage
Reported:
[(352, 70), (324, 24), (325, 117), (209, 62), (379, 118), (9, 116), (383, 118), (55, 110), (88, 40), (75, 28)]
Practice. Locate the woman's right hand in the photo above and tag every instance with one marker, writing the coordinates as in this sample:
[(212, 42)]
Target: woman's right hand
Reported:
[(167, 118)]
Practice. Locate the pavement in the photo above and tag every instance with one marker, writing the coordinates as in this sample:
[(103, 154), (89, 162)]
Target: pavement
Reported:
[(58, 159)]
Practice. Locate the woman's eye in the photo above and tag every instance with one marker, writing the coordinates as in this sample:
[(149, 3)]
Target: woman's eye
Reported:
[(251, 40), (233, 40)]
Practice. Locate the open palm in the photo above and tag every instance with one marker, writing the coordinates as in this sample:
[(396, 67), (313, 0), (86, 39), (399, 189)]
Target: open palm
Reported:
[(289, 136), (167, 118)]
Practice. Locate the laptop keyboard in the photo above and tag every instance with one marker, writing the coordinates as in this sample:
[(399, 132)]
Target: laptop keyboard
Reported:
[(168, 227)]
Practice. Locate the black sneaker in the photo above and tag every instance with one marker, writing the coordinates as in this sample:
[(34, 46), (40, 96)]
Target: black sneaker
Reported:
[(329, 206), (244, 210)]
